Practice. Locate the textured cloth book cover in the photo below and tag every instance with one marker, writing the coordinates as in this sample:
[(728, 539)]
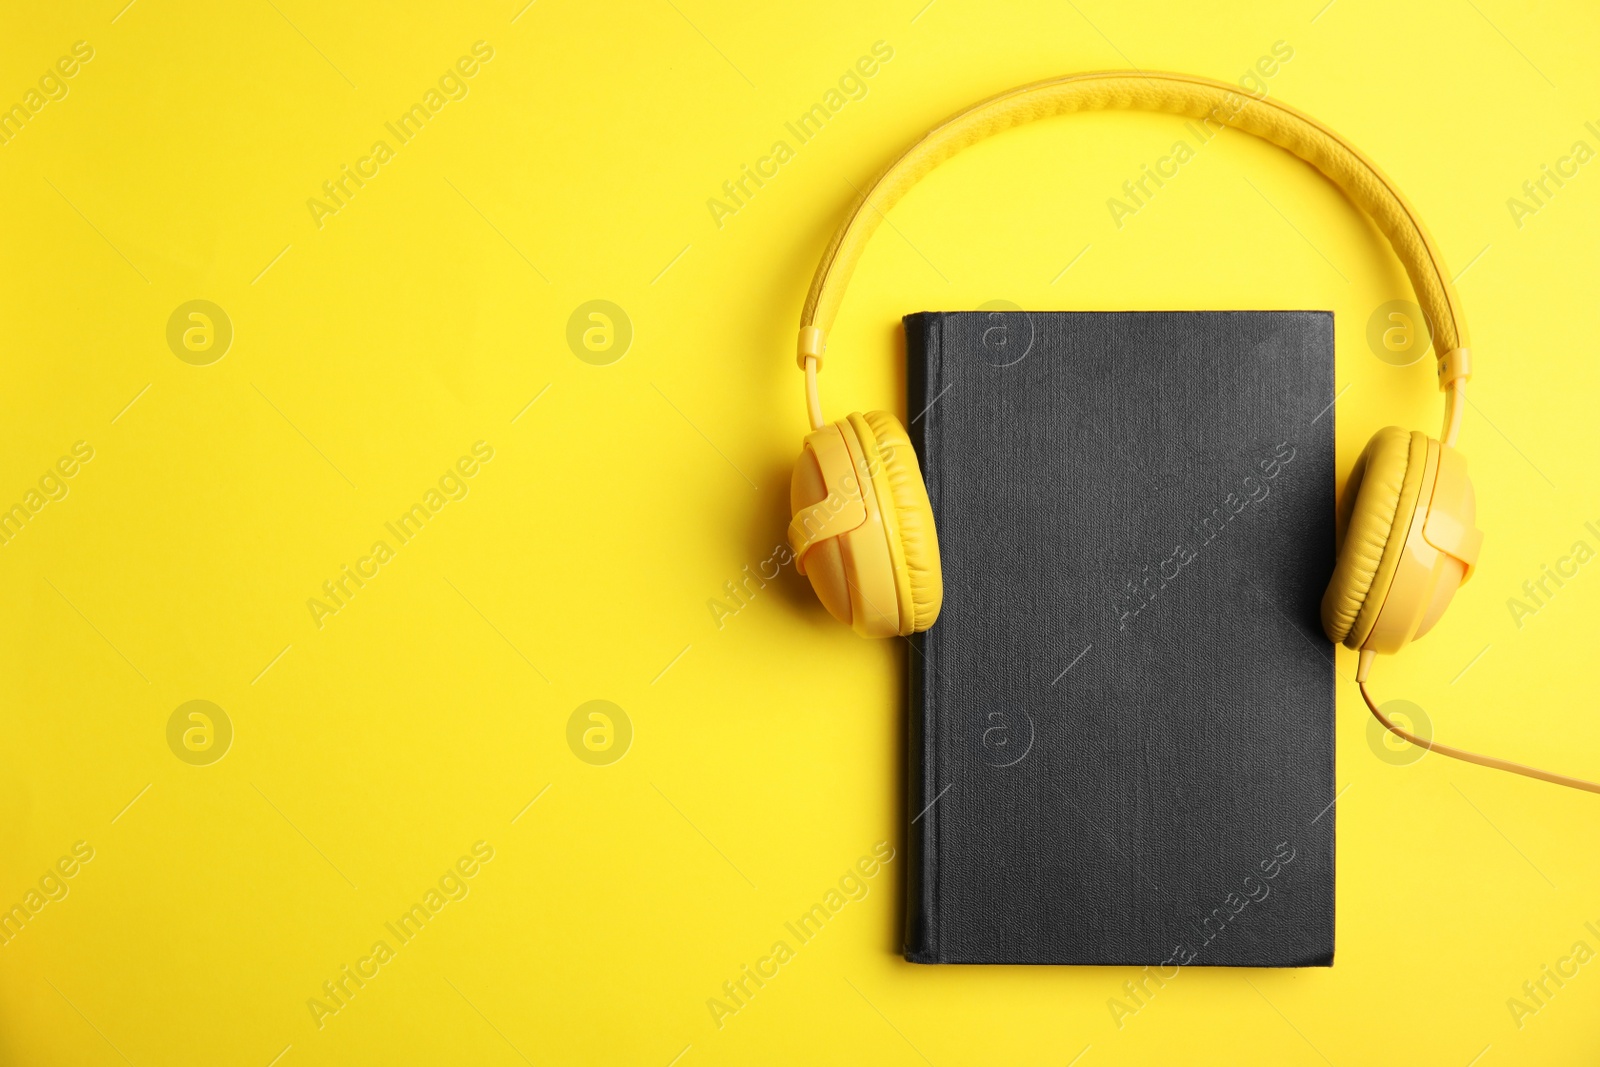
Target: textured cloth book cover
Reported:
[(1121, 737)]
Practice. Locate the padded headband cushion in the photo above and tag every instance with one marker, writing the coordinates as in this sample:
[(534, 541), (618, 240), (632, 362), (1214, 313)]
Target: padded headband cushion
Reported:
[(1379, 502), (1203, 99), (913, 516)]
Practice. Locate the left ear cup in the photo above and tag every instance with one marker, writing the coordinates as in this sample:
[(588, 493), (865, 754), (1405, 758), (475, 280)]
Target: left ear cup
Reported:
[(863, 528), (917, 547), (1410, 541)]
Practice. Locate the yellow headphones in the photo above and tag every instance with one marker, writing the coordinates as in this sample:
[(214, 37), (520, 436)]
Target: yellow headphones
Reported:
[(863, 529)]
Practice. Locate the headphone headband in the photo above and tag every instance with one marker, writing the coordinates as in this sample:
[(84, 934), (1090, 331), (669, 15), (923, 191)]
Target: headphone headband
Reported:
[(1174, 94)]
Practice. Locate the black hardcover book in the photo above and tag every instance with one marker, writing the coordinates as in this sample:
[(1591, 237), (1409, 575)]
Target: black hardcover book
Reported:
[(1121, 741)]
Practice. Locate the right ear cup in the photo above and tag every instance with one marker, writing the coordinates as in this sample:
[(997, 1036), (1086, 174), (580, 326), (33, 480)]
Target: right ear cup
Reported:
[(1380, 500)]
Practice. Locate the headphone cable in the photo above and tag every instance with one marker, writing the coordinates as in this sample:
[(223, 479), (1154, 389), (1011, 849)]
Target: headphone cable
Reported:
[(1473, 757)]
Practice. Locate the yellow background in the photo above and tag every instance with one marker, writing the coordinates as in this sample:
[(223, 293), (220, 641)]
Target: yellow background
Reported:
[(373, 752)]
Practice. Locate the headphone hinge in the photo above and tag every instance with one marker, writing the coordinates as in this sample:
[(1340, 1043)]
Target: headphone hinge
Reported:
[(813, 342), (1456, 366)]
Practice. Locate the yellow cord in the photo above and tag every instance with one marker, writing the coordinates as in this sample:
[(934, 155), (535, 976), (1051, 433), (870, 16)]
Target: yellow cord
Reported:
[(1473, 757)]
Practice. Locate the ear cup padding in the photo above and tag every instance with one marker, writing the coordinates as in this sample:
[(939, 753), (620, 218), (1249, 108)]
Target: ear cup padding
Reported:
[(913, 516), (1380, 501)]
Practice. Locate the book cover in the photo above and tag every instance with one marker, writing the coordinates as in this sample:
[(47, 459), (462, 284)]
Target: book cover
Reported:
[(1121, 727)]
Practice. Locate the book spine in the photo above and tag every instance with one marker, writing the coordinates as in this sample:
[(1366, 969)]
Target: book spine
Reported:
[(922, 879)]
